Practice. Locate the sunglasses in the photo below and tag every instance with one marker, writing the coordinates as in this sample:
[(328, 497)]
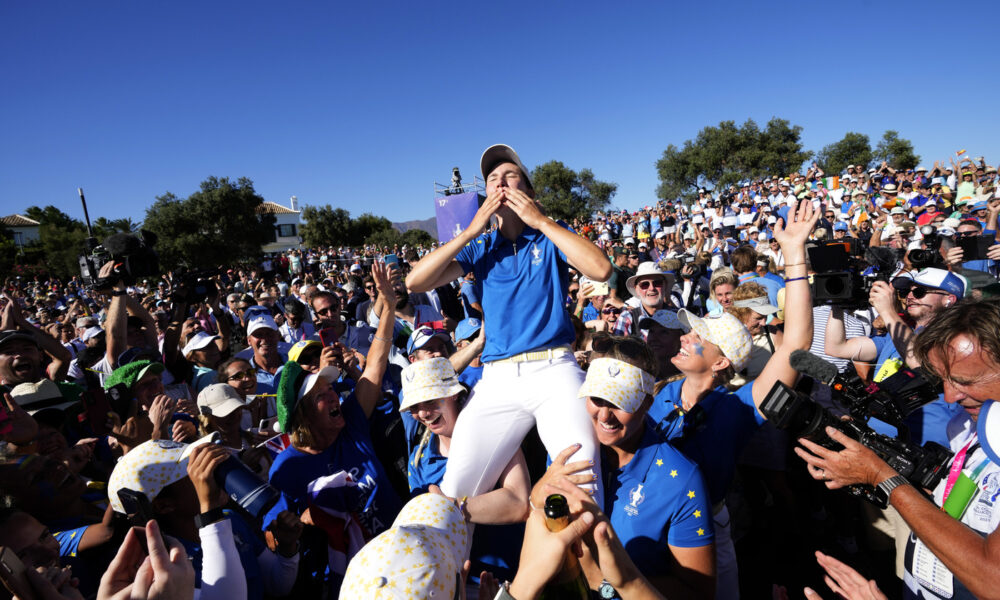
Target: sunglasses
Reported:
[(645, 284), (242, 375), (611, 310), (919, 292)]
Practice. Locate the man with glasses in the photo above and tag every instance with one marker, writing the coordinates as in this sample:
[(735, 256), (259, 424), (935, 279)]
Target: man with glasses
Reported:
[(924, 295), (652, 287), (361, 314)]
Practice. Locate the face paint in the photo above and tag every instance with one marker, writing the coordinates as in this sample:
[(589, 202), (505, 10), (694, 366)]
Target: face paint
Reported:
[(699, 349)]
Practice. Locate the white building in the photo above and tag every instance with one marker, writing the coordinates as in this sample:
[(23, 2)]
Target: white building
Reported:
[(25, 230), (286, 225)]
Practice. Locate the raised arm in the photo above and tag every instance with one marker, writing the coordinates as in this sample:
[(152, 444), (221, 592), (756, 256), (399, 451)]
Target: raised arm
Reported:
[(369, 388), (798, 300)]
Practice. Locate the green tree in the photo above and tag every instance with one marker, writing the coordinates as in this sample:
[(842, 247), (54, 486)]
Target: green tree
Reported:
[(725, 154), (103, 227), (853, 149), (418, 237), (8, 249), (61, 240), (365, 226), (384, 238), (566, 194), (896, 151), (217, 225), (325, 226)]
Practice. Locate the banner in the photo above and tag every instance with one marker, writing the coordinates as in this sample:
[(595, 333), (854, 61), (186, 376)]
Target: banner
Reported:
[(454, 213)]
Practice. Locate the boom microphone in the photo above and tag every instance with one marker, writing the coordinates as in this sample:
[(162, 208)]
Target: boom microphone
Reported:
[(813, 366), (120, 244)]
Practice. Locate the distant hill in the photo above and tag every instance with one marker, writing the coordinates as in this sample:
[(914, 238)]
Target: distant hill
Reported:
[(428, 225)]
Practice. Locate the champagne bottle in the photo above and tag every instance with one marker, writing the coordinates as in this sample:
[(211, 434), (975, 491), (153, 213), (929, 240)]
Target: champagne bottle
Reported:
[(569, 583)]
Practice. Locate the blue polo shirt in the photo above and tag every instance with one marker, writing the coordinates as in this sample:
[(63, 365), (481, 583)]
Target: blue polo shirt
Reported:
[(715, 439), (658, 499), (495, 548), (522, 285), (590, 313), (372, 501)]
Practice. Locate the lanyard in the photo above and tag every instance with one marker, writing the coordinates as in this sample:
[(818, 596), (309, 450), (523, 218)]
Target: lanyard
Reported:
[(956, 468)]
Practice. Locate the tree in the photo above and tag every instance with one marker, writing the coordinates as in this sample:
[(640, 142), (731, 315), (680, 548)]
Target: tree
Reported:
[(566, 194), (726, 154), (325, 226), (896, 151), (217, 225), (417, 237), (854, 149), (365, 226), (61, 240), (103, 227)]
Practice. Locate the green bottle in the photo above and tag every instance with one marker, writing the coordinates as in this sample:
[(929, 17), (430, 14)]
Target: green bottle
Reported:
[(569, 583)]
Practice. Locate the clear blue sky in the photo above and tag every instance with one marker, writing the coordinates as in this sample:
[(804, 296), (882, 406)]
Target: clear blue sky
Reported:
[(364, 105)]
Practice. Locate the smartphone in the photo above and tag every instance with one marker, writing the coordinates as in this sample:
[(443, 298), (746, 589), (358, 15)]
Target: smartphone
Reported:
[(14, 574), (392, 261), (328, 336), (139, 511), (974, 247), (600, 289)]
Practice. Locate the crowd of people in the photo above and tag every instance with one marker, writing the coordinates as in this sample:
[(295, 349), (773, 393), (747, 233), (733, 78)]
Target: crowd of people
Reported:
[(396, 422)]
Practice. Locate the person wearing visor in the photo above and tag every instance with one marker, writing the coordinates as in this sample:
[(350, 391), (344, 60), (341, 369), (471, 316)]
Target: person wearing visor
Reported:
[(433, 397), (751, 306), (203, 353), (712, 427), (655, 498), (521, 268)]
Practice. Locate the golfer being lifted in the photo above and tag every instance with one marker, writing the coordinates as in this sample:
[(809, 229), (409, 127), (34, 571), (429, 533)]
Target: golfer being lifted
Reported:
[(530, 377)]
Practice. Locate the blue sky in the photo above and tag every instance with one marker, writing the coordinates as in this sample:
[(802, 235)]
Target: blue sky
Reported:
[(364, 105)]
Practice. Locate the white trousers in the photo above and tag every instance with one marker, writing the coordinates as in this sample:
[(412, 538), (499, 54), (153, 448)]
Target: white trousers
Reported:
[(507, 401)]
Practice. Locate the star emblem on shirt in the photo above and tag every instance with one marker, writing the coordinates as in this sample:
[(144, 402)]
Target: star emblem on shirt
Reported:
[(697, 514), (690, 493), (659, 462), (701, 531), (673, 473)]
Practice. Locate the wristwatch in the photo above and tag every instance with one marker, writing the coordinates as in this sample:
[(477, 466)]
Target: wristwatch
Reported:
[(884, 489), (208, 517)]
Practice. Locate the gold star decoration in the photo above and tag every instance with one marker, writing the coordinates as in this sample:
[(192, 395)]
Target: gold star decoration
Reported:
[(697, 514), (659, 462), (701, 531), (673, 473), (690, 493)]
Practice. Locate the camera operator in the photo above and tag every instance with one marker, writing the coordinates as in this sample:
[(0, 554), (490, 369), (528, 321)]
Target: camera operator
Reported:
[(925, 294), (955, 551)]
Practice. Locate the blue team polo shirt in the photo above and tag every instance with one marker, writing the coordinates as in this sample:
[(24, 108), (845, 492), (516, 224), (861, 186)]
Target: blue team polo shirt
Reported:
[(373, 501), (522, 285), (658, 499), (590, 313), (495, 548), (713, 441)]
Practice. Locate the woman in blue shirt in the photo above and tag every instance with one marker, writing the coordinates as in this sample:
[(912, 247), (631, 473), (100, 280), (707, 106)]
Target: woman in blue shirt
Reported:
[(712, 427), (433, 398), (654, 497), (329, 436)]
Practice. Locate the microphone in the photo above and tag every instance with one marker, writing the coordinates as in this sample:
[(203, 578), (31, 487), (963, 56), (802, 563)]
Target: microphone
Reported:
[(813, 366), (120, 244)]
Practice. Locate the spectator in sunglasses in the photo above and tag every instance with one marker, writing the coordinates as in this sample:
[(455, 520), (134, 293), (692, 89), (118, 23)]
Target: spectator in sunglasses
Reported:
[(652, 287)]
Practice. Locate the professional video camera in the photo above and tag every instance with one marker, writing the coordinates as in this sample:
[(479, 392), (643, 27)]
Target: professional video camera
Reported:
[(922, 258), (890, 400), (691, 270), (133, 257), (845, 274)]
